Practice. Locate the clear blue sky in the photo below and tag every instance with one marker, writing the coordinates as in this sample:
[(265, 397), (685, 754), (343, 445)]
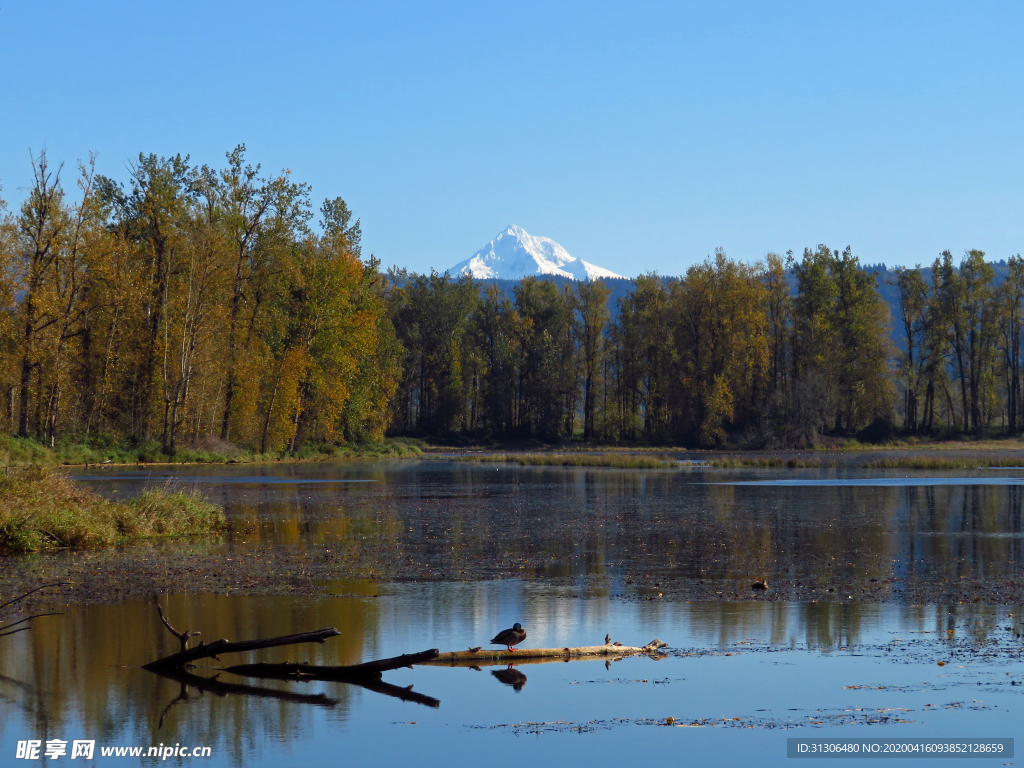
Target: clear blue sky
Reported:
[(640, 135)]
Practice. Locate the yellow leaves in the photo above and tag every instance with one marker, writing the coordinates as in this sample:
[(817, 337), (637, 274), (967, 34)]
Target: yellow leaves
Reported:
[(283, 402), (719, 310), (718, 407)]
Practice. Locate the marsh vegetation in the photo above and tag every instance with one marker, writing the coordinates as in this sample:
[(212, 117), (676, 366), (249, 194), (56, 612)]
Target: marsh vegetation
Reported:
[(41, 509), (575, 459)]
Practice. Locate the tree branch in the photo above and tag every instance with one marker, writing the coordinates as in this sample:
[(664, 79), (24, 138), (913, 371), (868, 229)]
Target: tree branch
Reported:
[(183, 637), (204, 651)]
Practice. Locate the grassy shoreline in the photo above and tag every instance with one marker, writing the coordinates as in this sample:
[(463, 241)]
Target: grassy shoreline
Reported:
[(580, 459), (885, 462), (41, 509), (830, 445), (28, 452), (896, 458)]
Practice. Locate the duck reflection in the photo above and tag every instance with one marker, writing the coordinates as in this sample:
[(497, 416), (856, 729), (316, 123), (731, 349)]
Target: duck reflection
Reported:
[(511, 676)]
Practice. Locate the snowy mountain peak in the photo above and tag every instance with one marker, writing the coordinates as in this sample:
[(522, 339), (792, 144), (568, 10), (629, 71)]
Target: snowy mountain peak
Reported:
[(515, 254)]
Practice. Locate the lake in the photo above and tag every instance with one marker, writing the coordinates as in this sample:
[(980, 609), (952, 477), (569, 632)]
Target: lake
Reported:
[(894, 611)]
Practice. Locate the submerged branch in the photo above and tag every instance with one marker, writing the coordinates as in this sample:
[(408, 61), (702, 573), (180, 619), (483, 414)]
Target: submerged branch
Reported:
[(12, 601)]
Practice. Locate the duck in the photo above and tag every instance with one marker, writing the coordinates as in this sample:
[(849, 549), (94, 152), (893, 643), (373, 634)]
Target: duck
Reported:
[(510, 637), (762, 584)]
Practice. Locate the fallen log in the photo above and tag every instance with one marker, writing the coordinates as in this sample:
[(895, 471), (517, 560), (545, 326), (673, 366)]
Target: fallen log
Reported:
[(481, 664), (366, 675), (454, 658), (302, 671), (217, 647)]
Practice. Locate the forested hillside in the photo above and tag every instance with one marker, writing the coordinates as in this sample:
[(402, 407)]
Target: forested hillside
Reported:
[(196, 305)]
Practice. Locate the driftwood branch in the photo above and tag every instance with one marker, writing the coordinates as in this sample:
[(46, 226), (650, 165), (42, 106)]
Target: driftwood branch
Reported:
[(6, 630), (369, 670), (211, 650), (522, 654), (183, 637)]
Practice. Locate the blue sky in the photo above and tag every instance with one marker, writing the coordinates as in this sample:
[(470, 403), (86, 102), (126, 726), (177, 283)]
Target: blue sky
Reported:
[(640, 135)]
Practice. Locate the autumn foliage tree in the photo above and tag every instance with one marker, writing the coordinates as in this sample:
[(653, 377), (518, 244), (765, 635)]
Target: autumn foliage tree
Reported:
[(191, 304), (726, 352), (202, 306)]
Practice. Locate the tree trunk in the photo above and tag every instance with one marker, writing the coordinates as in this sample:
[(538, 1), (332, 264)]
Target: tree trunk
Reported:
[(270, 407)]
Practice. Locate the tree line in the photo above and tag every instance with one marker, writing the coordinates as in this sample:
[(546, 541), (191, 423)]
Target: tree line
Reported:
[(960, 366), (729, 351), (190, 304), (775, 353), (198, 305)]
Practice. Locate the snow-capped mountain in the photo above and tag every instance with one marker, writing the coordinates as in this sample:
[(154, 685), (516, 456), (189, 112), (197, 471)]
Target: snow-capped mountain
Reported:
[(515, 254)]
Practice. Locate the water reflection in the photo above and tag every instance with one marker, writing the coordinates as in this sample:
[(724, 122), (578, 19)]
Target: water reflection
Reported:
[(422, 556), (435, 520), (81, 670), (201, 685), (510, 676)]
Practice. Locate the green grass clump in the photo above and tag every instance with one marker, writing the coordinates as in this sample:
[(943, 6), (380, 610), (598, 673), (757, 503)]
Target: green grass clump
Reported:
[(41, 509), (621, 461)]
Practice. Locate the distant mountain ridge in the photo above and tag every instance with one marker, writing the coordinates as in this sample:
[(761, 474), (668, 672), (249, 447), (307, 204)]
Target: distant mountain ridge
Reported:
[(515, 254)]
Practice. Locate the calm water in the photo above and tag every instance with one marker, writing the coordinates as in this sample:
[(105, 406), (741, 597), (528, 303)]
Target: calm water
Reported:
[(588, 552)]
